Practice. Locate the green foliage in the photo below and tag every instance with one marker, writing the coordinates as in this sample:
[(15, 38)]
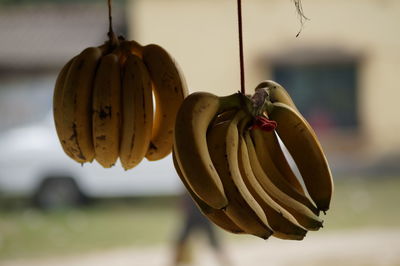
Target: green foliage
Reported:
[(358, 203), (361, 203), (30, 232)]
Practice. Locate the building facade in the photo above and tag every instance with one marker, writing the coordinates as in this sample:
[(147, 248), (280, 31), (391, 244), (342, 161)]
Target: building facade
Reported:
[(342, 69)]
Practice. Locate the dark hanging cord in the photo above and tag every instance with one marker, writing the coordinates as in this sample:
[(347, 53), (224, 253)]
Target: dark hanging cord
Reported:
[(111, 35), (110, 29), (242, 80)]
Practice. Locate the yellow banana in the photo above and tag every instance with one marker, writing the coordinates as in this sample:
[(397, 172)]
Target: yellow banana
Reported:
[(192, 121), (269, 152), (283, 224), (137, 112), (242, 208), (76, 105), (304, 216), (225, 116), (218, 217), (169, 87), (277, 93), (133, 47), (303, 145), (105, 48), (106, 110), (128, 48), (57, 104), (280, 181)]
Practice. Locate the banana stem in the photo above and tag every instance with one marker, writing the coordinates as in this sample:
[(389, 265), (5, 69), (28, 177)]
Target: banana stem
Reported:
[(260, 99)]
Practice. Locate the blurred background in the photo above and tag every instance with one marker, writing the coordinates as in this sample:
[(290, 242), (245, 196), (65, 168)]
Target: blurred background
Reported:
[(341, 70)]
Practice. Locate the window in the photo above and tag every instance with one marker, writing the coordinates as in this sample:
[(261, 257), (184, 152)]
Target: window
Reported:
[(325, 93)]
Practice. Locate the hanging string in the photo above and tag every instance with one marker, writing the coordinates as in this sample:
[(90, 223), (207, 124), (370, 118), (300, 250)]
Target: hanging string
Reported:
[(110, 29), (300, 14), (114, 42), (242, 80)]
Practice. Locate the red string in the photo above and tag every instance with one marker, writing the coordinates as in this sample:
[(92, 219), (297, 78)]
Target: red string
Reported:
[(264, 123)]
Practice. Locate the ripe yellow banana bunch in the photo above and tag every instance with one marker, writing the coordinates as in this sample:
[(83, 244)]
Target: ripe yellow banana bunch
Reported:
[(103, 103), (227, 154)]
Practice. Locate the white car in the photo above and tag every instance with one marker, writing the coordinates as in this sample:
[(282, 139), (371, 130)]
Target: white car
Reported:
[(32, 163)]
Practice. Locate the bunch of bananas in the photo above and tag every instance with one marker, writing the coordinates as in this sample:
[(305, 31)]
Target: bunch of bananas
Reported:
[(103, 103), (227, 154)]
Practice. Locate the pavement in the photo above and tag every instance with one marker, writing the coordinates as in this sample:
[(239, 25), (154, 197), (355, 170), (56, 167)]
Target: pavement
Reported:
[(367, 247)]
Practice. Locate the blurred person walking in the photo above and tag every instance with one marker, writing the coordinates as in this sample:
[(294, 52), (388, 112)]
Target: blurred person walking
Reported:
[(194, 221)]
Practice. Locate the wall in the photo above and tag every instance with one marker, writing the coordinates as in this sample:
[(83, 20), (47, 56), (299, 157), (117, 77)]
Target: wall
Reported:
[(202, 35)]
